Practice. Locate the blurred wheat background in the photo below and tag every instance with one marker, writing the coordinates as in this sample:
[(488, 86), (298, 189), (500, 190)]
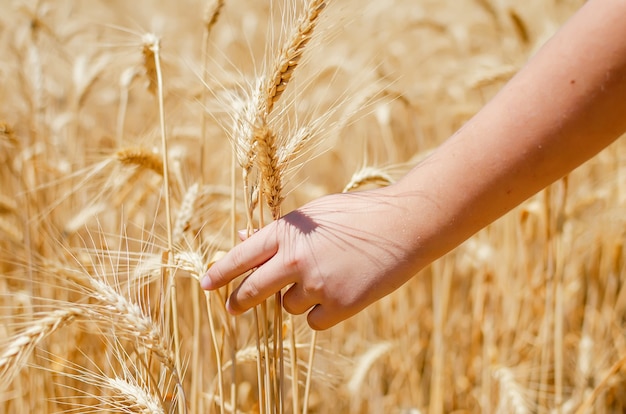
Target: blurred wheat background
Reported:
[(125, 133)]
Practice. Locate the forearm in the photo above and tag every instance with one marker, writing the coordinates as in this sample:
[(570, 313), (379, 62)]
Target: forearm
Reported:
[(566, 105)]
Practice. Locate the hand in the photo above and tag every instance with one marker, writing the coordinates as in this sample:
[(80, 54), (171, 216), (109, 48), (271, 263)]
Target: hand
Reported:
[(337, 255)]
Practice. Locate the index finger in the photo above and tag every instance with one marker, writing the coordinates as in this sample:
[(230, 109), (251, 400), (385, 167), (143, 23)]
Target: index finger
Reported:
[(251, 253)]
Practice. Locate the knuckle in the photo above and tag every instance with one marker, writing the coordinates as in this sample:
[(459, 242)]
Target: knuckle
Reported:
[(318, 319), (292, 263), (293, 306), (247, 295)]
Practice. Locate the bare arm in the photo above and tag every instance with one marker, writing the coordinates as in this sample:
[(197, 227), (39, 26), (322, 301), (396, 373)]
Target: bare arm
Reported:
[(566, 105), (340, 253)]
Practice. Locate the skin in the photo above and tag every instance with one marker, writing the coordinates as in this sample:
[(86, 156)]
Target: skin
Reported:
[(340, 253)]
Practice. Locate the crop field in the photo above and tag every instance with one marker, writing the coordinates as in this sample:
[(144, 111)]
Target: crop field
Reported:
[(138, 137)]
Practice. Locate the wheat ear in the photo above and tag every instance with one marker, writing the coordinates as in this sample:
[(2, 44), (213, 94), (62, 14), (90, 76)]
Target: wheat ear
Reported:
[(511, 390), (7, 205), (19, 348), (185, 213), (271, 170), (141, 158), (132, 398), (212, 15), (588, 403), (129, 321), (291, 53), (7, 132)]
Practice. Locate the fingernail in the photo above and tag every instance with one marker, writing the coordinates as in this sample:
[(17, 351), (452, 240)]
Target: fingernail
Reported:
[(243, 234)]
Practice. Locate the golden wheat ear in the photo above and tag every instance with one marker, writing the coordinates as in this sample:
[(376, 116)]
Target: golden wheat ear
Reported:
[(140, 158), (18, 348), (291, 53)]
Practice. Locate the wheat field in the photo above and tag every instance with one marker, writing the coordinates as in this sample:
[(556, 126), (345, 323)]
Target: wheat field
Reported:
[(137, 138)]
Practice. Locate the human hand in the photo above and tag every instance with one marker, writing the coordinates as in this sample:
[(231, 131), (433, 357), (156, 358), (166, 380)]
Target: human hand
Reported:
[(337, 255)]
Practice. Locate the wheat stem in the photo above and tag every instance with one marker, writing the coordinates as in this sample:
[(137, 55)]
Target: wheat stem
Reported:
[(309, 374), (216, 348), (154, 45)]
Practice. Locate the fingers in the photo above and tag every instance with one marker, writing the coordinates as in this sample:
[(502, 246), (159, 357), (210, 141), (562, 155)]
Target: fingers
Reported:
[(253, 252), (296, 301), (268, 279), (319, 318)]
